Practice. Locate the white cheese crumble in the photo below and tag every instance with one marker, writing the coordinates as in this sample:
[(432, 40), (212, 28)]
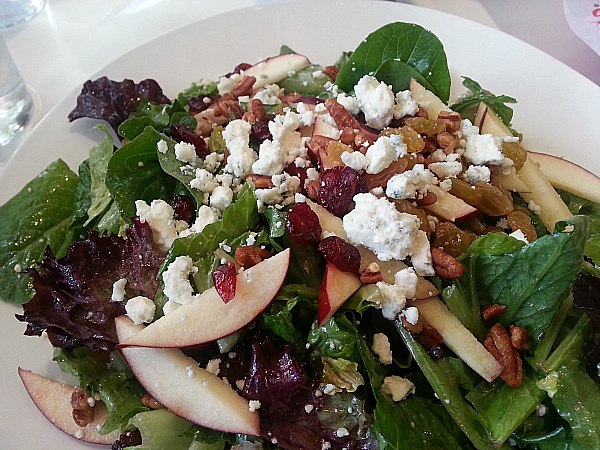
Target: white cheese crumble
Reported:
[(446, 169), (269, 95), (397, 387), (140, 309), (160, 216), (518, 234), (376, 100), (176, 281), (411, 183), (483, 149), (221, 197), (253, 405), (185, 152), (477, 174), (212, 366), (237, 139), (381, 347), (341, 432), (118, 290), (395, 295), (349, 102), (162, 146), (205, 216), (406, 105), (383, 152), (379, 226), (411, 314)]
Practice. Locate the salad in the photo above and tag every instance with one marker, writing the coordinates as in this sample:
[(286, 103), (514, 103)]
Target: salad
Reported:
[(306, 257)]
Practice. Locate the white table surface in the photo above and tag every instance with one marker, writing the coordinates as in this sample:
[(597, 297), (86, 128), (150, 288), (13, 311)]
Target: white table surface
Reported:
[(58, 50)]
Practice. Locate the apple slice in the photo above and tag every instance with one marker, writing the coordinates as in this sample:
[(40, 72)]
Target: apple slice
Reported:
[(208, 318), (458, 338), (324, 128), (423, 95), (275, 69), (540, 190), (53, 399), (569, 176), (336, 288), (176, 382), (451, 208), (333, 224)]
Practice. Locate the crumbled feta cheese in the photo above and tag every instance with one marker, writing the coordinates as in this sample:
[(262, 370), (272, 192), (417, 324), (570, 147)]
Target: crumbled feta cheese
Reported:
[(221, 197), (185, 152), (383, 152), (518, 234), (269, 95), (411, 183), (205, 216), (18, 268), (379, 226), (212, 366), (285, 187), (329, 389), (446, 169), (406, 105), (355, 160), (140, 309), (162, 146), (483, 149), (226, 84), (397, 387), (446, 184), (204, 181), (381, 347), (241, 157), (349, 102), (477, 174), (411, 314), (341, 432), (421, 255), (253, 405), (160, 216), (467, 128), (395, 295), (176, 281), (213, 161), (534, 207), (118, 290), (376, 100)]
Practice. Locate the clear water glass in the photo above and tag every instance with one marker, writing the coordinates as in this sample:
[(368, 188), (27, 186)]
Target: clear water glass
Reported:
[(16, 104), (15, 12)]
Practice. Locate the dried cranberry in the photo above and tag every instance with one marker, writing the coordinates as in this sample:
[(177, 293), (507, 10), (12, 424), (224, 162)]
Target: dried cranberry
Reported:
[(239, 69), (260, 130), (200, 103), (342, 254), (183, 205), (303, 225), (224, 279), (338, 187), (180, 132), (127, 439)]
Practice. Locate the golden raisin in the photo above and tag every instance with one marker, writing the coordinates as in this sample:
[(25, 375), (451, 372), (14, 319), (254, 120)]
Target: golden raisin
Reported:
[(451, 239), (516, 152), (426, 126)]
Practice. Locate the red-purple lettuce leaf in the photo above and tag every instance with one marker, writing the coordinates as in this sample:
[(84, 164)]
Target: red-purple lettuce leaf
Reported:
[(73, 294), (113, 101)]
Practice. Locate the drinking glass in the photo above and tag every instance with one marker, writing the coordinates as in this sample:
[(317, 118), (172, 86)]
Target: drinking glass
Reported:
[(16, 104), (15, 12)]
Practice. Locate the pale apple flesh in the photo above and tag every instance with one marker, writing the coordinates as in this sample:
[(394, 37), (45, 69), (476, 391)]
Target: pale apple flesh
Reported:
[(53, 400), (275, 69), (208, 318), (336, 288), (458, 338), (433, 103), (450, 208), (334, 225), (180, 385)]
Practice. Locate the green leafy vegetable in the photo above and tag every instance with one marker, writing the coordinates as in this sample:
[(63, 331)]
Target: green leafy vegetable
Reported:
[(409, 43), (162, 430), (304, 81), (39, 215)]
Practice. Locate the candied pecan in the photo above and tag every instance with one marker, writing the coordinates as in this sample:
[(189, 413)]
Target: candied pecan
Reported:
[(428, 199), (371, 274), (447, 141), (312, 188), (452, 120), (261, 181), (249, 256), (331, 71), (83, 412), (149, 402), (498, 343), (243, 87), (228, 108), (446, 265), (413, 329), (491, 311), (343, 118), (347, 135), (257, 109), (206, 119), (290, 97), (518, 337)]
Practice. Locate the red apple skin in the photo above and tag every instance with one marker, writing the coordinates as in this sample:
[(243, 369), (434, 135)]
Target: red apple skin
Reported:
[(208, 318), (53, 400), (336, 288), (180, 385)]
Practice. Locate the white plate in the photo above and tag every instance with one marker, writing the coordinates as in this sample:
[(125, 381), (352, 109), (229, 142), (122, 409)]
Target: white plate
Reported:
[(558, 113)]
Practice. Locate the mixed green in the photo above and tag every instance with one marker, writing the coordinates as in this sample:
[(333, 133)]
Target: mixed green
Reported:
[(67, 237)]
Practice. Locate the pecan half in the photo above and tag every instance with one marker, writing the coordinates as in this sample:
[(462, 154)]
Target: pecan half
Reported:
[(447, 141), (518, 337), (83, 412), (498, 343), (491, 311), (445, 265), (243, 87), (343, 118), (371, 274), (415, 329), (261, 181), (331, 71), (428, 199), (249, 256), (452, 120)]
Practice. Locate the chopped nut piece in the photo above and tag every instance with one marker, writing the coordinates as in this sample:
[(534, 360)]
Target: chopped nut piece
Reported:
[(491, 311), (518, 337), (371, 274), (451, 119), (498, 343), (83, 412), (446, 265), (412, 329), (343, 118), (249, 256), (331, 71), (261, 181)]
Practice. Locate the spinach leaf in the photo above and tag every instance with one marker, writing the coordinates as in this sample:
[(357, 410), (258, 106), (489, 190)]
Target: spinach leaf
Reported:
[(38, 216), (134, 173), (98, 161), (406, 42), (467, 105), (534, 280), (398, 74), (577, 400), (582, 206), (335, 338)]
